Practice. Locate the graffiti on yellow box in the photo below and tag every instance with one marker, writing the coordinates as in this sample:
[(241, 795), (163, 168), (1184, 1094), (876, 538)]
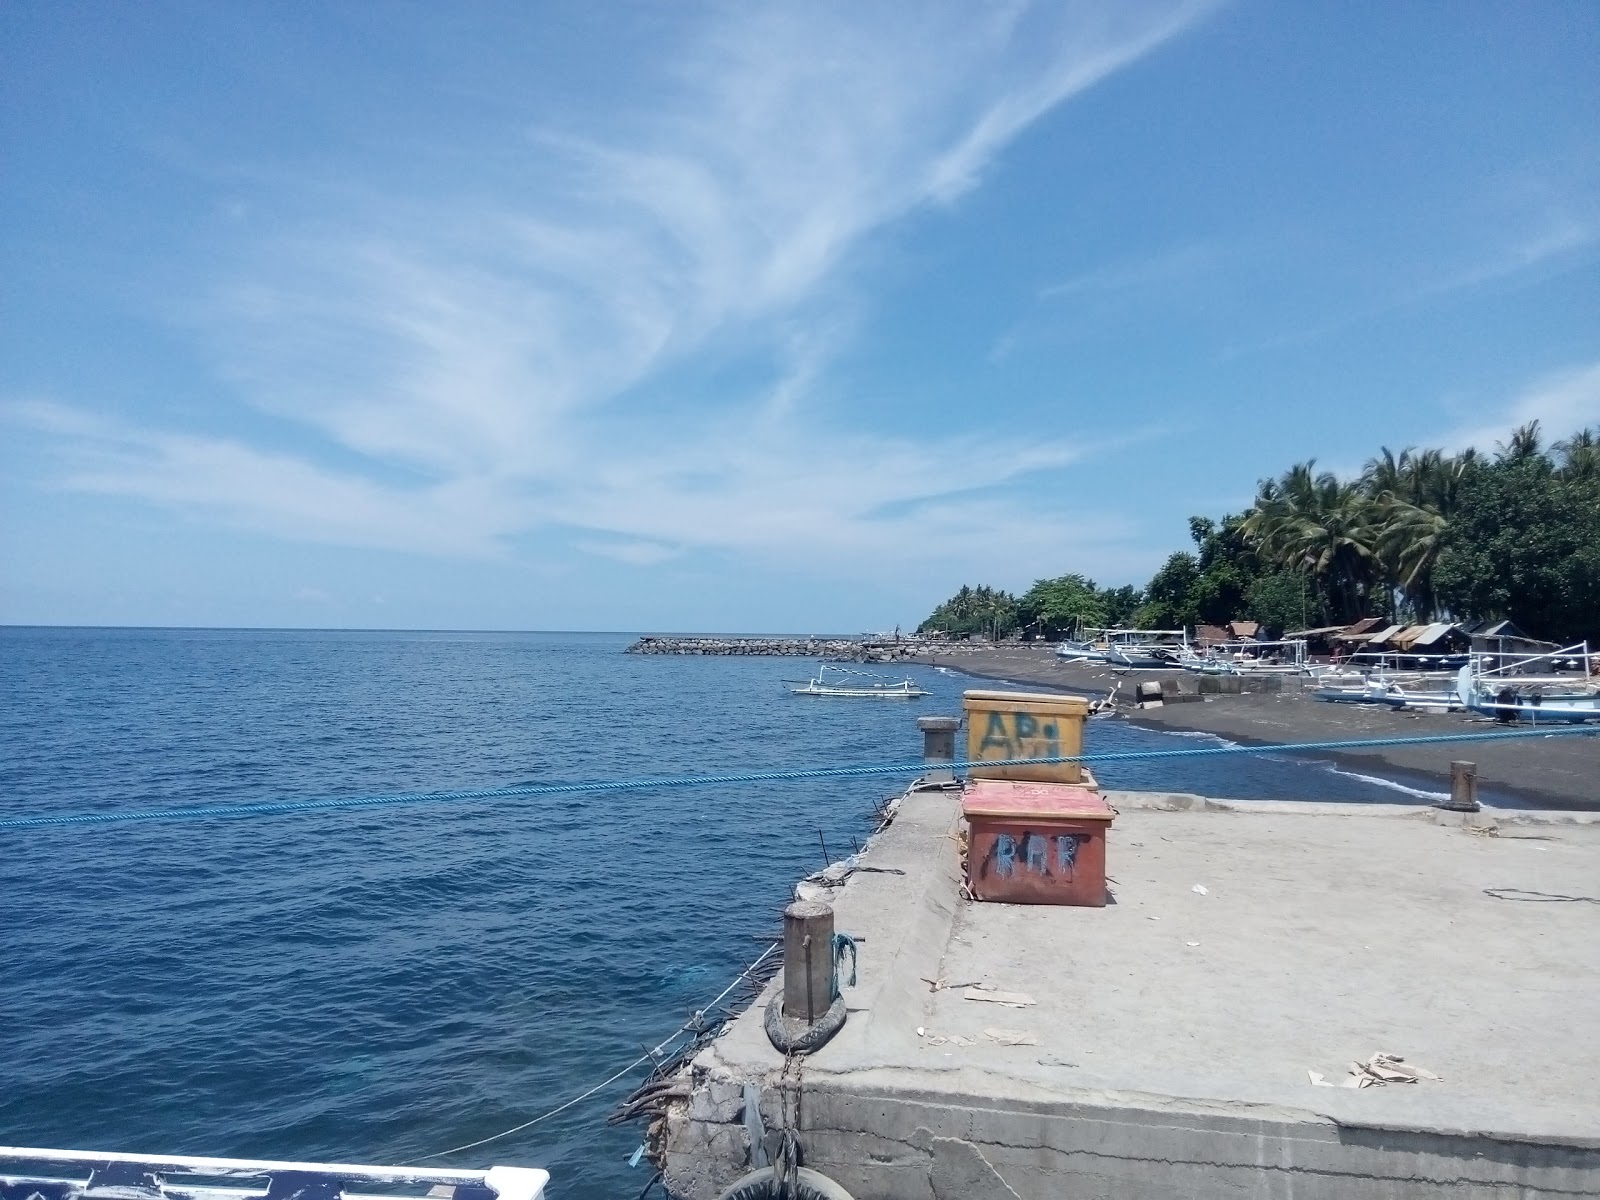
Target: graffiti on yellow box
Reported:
[(1019, 735)]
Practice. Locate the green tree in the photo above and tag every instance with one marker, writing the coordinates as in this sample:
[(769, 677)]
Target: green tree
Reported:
[(1319, 525), (1053, 607), (1168, 597), (981, 610), (1414, 497), (1121, 604), (1281, 601), (1525, 542)]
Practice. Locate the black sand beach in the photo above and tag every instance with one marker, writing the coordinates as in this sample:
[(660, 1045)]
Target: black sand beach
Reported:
[(1558, 772)]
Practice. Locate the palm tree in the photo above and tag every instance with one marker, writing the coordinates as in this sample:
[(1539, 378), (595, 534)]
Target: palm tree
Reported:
[(1413, 497), (1315, 524), (1524, 443), (1580, 454)]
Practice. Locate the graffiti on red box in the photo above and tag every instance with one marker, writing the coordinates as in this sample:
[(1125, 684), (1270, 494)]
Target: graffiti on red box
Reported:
[(1047, 854)]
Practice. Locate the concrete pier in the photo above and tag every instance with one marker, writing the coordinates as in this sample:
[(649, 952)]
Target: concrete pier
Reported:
[(1162, 1046)]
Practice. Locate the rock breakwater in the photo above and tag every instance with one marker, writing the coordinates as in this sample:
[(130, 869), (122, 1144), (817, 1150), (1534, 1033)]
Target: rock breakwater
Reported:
[(849, 649)]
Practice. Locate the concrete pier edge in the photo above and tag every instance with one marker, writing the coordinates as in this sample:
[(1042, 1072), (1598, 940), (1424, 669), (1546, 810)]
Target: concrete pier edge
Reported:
[(872, 1113)]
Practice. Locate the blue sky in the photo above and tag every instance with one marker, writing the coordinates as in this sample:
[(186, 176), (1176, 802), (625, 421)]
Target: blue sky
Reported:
[(750, 317)]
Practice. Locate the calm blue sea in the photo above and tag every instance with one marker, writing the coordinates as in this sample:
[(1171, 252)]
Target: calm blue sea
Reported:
[(378, 985)]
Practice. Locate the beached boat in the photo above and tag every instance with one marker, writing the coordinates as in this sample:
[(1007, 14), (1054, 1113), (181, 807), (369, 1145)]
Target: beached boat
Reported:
[(1516, 691), (1129, 649), (1373, 689), (821, 685), (1398, 689), (1249, 658)]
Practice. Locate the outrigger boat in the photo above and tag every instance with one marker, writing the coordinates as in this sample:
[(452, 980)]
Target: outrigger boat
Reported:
[(1248, 658), (1150, 649), (818, 685), (1510, 692)]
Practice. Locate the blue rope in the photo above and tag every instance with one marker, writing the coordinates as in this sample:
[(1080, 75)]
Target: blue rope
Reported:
[(522, 791)]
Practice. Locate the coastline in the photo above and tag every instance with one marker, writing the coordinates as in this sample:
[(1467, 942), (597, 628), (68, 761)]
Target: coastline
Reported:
[(1555, 773)]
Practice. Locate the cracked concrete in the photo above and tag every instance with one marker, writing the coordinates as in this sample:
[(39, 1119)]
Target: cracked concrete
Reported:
[(1165, 1069)]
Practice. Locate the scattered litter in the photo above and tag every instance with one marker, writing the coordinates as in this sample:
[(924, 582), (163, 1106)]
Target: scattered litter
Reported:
[(940, 984), (936, 1040), (1012, 1037), (921, 1032), (1009, 999), (1201, 888), (1378, 1070), (957, 1039), (1191, 943), (1152, 918)]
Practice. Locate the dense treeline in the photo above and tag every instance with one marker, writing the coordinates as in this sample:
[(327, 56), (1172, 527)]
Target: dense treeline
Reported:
[(1420, 535)]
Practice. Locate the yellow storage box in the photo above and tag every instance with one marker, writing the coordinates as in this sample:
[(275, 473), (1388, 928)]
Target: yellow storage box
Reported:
[(1003, 725)]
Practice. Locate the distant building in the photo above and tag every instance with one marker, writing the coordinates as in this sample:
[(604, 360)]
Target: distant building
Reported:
[(1318, 641), (1496, 636), (1354, 637)]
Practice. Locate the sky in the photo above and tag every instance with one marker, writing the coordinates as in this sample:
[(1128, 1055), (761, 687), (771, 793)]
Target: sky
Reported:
[(750, 317)]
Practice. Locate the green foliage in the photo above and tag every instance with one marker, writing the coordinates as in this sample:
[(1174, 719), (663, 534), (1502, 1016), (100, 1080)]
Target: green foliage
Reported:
[(1525, 543), (1121, 604), (1282, 602), (1419, 534), (1168, 602), (1053, 607), (974, 611)]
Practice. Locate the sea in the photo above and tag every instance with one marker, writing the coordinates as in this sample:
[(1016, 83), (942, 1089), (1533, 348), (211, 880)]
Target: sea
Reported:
[(377, 985)]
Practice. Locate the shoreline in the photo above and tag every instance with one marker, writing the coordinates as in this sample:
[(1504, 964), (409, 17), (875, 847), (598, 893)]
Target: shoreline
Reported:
[(1559, 773)]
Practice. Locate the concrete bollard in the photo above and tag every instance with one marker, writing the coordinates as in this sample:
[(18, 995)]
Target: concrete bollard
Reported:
[(807, 960), (1463, 787), (939, 747)]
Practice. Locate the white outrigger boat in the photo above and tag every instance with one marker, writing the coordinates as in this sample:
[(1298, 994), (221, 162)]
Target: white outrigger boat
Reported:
[(818, 685), (1286, 657), (1513, 691), (1487, 684), (1130, 649), (91, 1174)]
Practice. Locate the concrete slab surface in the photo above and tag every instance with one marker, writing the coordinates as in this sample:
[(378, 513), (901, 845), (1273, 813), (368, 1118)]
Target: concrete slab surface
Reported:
[(1157, 1067), (1319, 940)]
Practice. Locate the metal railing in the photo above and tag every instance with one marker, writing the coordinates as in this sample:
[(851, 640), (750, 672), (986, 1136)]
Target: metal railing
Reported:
[(27, 1172)]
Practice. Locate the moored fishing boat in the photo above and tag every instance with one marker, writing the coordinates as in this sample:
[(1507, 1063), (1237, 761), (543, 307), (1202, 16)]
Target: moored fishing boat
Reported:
[(62, 1174), (818, 685)]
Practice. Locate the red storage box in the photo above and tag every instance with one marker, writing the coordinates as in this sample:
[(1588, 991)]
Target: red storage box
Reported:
[(1036, 843)]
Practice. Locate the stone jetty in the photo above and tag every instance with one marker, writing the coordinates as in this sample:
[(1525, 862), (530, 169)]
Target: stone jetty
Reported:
[(850, 649)]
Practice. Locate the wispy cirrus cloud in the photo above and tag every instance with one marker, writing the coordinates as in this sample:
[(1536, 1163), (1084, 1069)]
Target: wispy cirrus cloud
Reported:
[(453, 367), (1563, 402)]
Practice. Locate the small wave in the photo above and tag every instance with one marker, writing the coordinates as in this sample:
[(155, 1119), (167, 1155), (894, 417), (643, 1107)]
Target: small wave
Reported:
[(1392, 785), (1197, 733)]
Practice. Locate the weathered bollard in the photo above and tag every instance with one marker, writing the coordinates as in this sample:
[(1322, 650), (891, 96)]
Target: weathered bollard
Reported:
[(810, 1009), (807, 960), (1463, 787), (939, 747)]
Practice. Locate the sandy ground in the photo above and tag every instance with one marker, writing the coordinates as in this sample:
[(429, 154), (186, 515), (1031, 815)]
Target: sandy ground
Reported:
[(1562, 772)]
